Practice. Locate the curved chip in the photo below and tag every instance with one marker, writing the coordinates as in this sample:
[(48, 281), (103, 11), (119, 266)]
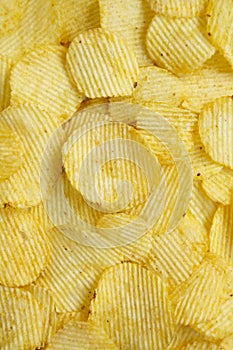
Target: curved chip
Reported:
[(220, 26), (24, 248), (80, 336), (101, 64), (179, 8), (177, 44), (5, 70), (41, 78), (10, 152), (216, 130), (143, 318), (33, 127), (21, 319)]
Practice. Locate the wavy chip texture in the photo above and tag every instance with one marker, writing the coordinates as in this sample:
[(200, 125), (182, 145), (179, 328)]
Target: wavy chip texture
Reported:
[(178, 44), (179, 8), (5, 70), (141, 320), (216, 130), (101, 64)]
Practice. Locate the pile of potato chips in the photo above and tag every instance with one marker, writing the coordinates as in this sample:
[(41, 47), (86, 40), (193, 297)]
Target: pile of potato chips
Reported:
[(171, 289)]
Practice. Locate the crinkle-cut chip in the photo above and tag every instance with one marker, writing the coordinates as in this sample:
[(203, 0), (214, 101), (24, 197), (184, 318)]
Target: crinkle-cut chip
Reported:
[(175, 255), (203, 165), (220, 26), (37, 25), (101, 64), (74, 269), (183, 335), (200, 345), (10, 152), (24, 248), (178, 44), (76, 17), (199, 298), (216, 130), (48, 311), (39, 214), (155, 84), (111, 172), (81, 336), (41, 78), (132, 305), (179, 8), (5, 69), (213, 80), (128, 20), (21, 319), (33, 127), (219, 187), (221, 233), (78, 316), (201, 206)]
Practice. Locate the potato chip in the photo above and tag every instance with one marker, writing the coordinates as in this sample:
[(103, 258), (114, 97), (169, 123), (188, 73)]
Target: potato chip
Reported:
[(5, 69), (10, 15), (201, 206), (213, 80), (101, 64), (199, 298), (216, 130), (76, 17), (64, 317), (200, 345), (24, 248), (21, 319), (177, 254), (41, 78), (10, 152), (227, 343), (219, 187), (219, 26), (81, 335), (183, 335), (179, 8), (128, 20), (141, 320), (40, 215), (36, 24), (33, 127), (178, 44)]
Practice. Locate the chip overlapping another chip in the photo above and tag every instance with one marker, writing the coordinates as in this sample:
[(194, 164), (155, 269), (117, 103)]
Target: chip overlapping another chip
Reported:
[(179, 8)]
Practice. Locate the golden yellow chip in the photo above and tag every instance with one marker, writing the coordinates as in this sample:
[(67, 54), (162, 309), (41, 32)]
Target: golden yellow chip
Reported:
[(21, 319), (175, 255), (128, 20), (36, 24), (40, 215), (101, 64), (64, 317), (41, 78), (76, 17), (179, 8), (33, 127), (10, 15), (183, 335), (219, 187), (5, 69), (80, 336), (216, 130), (24, 250), (227, 343), (10, 152), (178, 44), (200, 345), (220, 26), (141, 319)]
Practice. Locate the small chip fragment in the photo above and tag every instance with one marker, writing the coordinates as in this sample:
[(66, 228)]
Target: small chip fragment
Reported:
[(101, 64)]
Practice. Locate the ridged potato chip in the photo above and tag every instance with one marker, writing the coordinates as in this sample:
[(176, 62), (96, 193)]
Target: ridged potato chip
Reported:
[(24, 248), (128, 20), (179, 8), (41, 78), (178, 44), (10, 15), (33, 127), (11, 152), (5, 70), (219, 187), (80, 336), (101, 64), (216, 130), (21, 319), (220, 27), (76, 17), (143, 319), (200, 345), (183, 335), (65, 317), (40, 215)]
